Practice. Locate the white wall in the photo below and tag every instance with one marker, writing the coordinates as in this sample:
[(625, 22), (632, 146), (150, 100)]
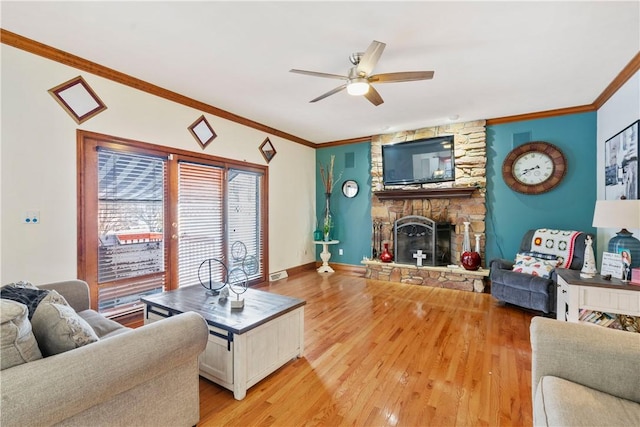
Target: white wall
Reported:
[(622, 109), (38, 146)]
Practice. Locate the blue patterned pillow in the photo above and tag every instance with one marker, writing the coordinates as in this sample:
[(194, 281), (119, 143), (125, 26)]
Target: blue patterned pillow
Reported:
[(535, 266)]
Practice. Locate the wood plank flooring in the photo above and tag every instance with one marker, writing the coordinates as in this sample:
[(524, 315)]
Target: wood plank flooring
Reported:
[(388, 354)]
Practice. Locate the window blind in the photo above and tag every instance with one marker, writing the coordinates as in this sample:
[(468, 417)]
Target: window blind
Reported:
[(244, 221), (131, 250), (200, 221)]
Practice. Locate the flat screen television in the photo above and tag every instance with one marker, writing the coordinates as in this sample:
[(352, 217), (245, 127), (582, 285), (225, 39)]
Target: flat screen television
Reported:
[(419, 162)]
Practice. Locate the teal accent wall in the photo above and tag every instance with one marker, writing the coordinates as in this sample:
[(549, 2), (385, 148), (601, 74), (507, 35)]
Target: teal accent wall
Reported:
[(569, 206), (352, 217)]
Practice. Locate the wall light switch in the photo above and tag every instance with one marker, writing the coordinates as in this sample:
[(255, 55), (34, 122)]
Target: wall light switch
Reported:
[(32, 217), (340, 252)]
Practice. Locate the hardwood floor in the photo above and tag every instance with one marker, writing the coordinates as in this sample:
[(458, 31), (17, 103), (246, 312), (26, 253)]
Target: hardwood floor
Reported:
[(388, 354)]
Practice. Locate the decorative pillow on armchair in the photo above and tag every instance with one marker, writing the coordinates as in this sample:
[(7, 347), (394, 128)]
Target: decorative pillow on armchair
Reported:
[(534, 265)]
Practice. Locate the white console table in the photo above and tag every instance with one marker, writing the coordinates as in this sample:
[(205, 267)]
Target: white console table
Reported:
[(611, 296), (325, 255)]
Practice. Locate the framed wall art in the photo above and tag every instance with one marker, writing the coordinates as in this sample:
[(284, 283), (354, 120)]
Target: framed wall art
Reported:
[(202, 131), (621, 164), (268, 150), (78, 99)]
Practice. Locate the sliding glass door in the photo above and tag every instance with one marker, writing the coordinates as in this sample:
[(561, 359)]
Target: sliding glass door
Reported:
[(149, 216)]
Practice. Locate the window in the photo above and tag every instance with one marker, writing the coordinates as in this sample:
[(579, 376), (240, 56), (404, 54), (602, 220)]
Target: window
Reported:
[(200, 212), (131, 247), (150, 215), (244, 222)]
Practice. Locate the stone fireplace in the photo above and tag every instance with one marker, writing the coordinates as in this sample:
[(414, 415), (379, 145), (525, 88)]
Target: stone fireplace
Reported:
[(450, 203)]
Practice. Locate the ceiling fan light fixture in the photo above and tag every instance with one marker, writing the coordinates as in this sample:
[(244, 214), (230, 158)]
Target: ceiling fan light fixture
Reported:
[(357, 87)]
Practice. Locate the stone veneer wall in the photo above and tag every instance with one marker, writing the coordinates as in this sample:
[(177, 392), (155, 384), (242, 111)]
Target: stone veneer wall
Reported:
[(470, 170)]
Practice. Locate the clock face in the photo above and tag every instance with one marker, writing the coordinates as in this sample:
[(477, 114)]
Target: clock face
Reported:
[(533, 168)]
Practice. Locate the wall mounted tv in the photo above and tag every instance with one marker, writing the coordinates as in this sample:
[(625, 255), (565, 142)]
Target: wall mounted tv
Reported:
[(418, 162)]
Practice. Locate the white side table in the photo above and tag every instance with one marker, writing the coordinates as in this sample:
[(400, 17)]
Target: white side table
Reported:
[(611, 296), (325, 255)]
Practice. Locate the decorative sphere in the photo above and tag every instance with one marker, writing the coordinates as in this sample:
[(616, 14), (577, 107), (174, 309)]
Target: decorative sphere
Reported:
[(470, 260)]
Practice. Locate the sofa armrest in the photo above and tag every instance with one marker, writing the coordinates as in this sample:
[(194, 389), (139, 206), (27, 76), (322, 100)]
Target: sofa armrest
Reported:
[(76, 292), (55, 388), (597, 357)]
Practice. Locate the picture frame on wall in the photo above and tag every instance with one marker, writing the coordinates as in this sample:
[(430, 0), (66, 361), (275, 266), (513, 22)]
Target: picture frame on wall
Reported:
[(267, 149), (78, 99), (621, 164)]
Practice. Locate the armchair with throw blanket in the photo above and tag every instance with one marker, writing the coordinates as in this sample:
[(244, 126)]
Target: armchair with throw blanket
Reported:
[(530, 280)]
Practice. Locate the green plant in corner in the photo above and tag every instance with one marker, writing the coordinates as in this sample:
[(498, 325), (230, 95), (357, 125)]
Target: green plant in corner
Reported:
[(328, 181)]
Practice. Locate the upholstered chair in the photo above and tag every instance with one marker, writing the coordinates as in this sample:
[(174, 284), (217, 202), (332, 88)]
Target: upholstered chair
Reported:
[(529, 280)]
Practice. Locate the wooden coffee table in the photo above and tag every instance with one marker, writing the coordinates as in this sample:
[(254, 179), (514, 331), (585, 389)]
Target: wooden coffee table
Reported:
[(244, 345)]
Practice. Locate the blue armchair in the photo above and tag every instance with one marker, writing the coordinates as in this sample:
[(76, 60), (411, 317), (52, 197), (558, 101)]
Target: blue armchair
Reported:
[(527, 290)]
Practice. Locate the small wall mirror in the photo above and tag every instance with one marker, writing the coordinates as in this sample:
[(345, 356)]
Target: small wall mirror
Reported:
[(350, 188)]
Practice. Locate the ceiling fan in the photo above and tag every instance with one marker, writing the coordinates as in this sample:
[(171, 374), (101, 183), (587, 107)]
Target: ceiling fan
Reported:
[(360, 78)]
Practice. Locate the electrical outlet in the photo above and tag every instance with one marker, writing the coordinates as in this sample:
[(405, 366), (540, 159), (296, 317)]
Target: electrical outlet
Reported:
[(340, 252), (32, 217)]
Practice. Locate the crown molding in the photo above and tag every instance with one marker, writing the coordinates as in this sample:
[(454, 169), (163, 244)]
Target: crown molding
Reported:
[(40, 49), (45, 51), (541, 114), (627, 72)]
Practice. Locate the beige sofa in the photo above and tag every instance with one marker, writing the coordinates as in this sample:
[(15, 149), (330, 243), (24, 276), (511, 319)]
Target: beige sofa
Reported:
[(129, 377), (584, 375)]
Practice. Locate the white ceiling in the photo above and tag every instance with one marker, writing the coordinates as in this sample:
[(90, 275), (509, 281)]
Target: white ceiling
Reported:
[(491, 59)]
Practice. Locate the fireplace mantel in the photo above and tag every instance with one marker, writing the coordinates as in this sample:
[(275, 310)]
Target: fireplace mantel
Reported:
[(426, 193)]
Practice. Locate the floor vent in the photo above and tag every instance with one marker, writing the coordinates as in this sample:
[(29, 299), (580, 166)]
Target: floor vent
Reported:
[(278, 275)]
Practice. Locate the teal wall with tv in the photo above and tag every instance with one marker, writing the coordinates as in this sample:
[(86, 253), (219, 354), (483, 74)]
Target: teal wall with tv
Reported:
[(569, 206), (510, 214), (352, 216)]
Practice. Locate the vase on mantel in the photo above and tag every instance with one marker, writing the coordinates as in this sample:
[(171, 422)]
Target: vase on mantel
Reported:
[(327, 218), (386, 256), (470, 259)]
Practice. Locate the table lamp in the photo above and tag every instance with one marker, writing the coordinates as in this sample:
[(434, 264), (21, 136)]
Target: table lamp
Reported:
[(620, 214)]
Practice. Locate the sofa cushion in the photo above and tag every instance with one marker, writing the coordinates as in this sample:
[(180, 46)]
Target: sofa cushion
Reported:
[(58, 328), (103, 327), (561, 402), (535, 266), (18, 344)]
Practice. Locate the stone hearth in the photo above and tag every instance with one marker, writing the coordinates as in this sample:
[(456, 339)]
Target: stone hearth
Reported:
[(440, 277)]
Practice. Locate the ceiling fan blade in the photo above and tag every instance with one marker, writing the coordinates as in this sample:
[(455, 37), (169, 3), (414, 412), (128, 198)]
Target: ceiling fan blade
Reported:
[(370, 57), (373, 96), (316, 74), (403, 76), (331, 92)]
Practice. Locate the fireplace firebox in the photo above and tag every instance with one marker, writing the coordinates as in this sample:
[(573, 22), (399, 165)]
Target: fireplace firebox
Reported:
[(414, 233)]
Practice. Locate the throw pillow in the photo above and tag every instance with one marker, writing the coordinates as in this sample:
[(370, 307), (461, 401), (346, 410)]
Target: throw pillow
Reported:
[(541, 255), (58, 328), (17, 342), (535, 266)]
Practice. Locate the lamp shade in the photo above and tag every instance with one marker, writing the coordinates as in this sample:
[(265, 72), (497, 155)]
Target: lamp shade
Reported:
[(617, 214), (620, 214)]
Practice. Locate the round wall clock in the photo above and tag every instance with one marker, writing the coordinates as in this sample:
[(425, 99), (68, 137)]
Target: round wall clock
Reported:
[(534, 168)]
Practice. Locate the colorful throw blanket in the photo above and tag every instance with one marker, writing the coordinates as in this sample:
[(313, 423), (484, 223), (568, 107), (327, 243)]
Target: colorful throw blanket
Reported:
[(560, 243)]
